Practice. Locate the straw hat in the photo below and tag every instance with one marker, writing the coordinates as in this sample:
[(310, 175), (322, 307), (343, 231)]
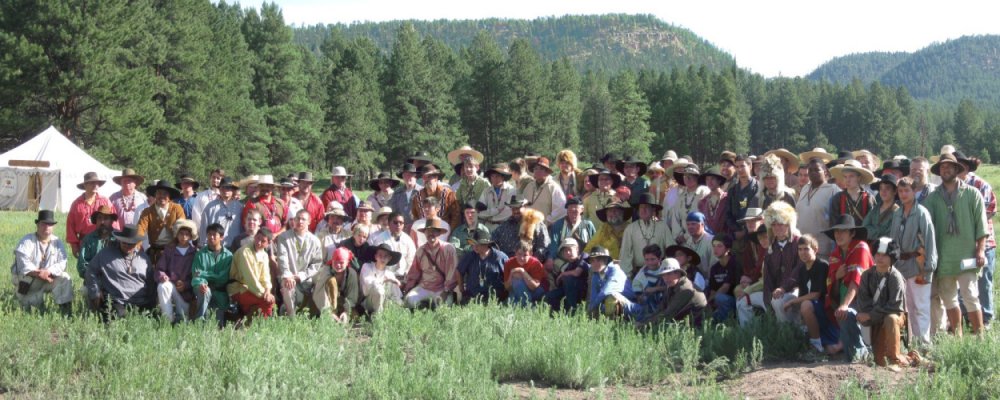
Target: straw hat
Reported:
[(457, 156), (854, 166)]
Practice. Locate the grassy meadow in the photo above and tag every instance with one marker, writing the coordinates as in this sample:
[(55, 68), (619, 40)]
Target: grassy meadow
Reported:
[(469, 352)]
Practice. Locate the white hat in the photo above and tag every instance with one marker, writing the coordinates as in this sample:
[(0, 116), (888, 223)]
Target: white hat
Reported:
[(340, 171), (669, 264), (265, 180), (669, 155)]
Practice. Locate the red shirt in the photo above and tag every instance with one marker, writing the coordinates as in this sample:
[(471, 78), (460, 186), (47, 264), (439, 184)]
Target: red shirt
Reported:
[(534, 269), (316, 210), (271, 211), (344, 196), (858, 259), (78, 222)]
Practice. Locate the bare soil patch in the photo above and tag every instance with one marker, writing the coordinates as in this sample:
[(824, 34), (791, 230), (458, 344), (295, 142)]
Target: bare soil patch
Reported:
[(813, 381)]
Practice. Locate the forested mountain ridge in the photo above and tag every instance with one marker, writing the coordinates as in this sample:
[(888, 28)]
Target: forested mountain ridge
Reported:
[(963, 68), (599, 42)]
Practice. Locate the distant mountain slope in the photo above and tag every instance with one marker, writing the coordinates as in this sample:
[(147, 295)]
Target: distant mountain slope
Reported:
[(610, 42), (968, 67), (867, 67)]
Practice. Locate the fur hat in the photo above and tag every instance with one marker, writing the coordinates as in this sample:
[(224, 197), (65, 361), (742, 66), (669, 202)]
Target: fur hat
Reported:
[(772, 167), (780, 212)]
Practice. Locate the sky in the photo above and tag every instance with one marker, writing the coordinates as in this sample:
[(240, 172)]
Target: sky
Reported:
[(772, 38)]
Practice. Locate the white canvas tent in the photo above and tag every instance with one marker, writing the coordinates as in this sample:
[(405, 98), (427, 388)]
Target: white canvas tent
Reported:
[(52, 187)]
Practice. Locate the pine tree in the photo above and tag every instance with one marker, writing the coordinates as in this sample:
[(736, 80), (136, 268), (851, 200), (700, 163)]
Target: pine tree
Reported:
[(280, 83), (562, 108), (522, 101), (595, 122), (419, 115), (354, 113), (480, 94), (629, 117)]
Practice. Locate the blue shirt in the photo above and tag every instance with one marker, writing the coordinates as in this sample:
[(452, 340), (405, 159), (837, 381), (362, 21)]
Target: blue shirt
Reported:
[(611, 280), (482, 277)]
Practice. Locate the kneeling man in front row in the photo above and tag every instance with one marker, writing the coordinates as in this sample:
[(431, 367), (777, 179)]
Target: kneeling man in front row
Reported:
[(40, 267)]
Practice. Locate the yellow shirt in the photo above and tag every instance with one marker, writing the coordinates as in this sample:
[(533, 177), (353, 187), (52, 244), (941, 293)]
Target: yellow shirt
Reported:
[(251, 272), (607, 238)]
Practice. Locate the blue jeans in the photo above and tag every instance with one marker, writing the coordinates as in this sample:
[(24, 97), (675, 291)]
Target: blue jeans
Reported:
[(986, 285), (569, 288), (724, 306), (203, 301), (521, 295), (850, 336)]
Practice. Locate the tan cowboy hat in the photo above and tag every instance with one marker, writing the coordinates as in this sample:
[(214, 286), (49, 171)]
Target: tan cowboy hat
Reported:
[(88, 178), (186, 223), (340, 171), (669, 155), (678, 165), (946, 149), (853, 165), (542, 162), (383, 211), (335, 208), (863, 152), (103, 210), (456, 156), (948, 159), (787, 158), (250, 180), (265, 180), (129, 173), (365, 205), (817, 152)]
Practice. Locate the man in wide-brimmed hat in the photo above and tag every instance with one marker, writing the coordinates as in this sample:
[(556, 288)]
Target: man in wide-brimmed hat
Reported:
[(642, 232), (156, 221), (544, 194), (470, 186), (104, 220), (854, 200), (431, 207), (188, 187), (496, 196), (300, 257), (742, 190), (634, 169), (435, 268), (606, 182), (615, 218), (959, 217), (128, 202), (482, 270), (226, 211), (851, 256), (78, 222), (310, 201), (340, 192), (40, 267), (990, 206), (120, 278), (271, 209), (684, 197), (447, 202), (382, 187), (813, 203), (402, 198)]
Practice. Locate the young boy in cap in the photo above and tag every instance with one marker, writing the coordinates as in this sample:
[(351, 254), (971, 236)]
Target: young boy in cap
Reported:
[(881, 296), (569, 285)]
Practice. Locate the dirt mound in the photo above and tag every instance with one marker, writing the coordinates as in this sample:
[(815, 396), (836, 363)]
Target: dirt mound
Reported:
[(812, 381)]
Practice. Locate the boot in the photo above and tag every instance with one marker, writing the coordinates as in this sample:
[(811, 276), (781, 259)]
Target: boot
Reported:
[(955, 321), (976, 321)]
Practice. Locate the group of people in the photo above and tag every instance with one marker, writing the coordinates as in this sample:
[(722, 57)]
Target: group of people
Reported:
[(850, 249)]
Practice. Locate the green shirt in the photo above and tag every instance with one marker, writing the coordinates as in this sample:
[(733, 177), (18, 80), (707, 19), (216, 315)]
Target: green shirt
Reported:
[(212, 269), (91, 245), (970, 217), (464, 192)]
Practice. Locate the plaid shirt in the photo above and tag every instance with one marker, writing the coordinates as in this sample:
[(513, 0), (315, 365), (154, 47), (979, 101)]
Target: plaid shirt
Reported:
[(989, 204)]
